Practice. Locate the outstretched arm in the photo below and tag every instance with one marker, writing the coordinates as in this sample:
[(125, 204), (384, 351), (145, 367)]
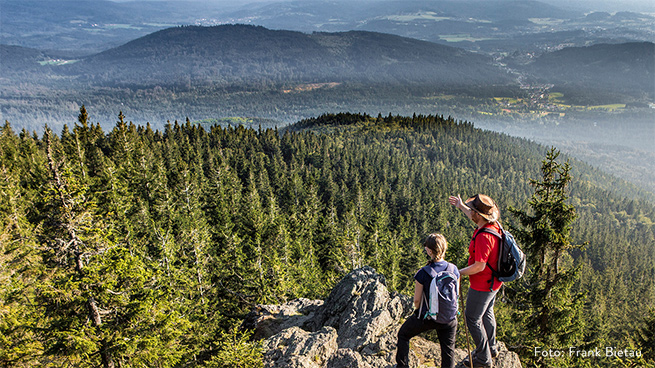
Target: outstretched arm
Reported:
[(457, 202)]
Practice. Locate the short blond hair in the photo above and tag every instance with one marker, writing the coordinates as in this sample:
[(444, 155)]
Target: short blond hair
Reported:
[(437, 244)]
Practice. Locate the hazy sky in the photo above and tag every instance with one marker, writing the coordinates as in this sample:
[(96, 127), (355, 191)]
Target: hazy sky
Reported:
[(611, 5)]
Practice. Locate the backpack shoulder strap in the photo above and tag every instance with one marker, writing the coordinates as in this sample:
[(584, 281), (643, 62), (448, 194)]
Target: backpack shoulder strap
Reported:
[(451, 268), (488, 231), (500, 237), (424, 299), (430, 270)]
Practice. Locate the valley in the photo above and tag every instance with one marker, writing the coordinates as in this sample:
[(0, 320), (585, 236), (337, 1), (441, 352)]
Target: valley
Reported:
[(172, 165)]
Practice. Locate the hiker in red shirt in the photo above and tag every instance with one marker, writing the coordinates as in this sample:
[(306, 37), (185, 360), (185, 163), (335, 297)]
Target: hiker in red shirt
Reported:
[(483, 249)]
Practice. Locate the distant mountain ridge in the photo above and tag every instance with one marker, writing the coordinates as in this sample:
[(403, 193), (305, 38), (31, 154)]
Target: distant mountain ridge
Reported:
[(252, 54), (95, 24), (17, 58), (87, 25), (244, 56), (627, 67), (82, 27), (364, 11)]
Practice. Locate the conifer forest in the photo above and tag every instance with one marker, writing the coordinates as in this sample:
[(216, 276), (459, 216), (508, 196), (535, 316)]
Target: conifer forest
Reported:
[(137, 247)]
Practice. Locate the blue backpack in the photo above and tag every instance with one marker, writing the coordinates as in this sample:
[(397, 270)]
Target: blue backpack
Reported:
[(444, 289), (511, 259)]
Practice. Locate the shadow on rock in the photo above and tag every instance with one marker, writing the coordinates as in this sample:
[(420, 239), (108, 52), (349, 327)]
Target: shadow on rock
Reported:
[(356, 326)]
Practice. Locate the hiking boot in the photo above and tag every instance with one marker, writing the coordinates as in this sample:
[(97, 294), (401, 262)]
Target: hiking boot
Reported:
[(479, 365), (475, 364), (494, 355)]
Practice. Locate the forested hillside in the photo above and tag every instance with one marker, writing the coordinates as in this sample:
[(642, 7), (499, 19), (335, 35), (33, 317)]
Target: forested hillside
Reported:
[(626, 68), (143, 247), (243, 54)]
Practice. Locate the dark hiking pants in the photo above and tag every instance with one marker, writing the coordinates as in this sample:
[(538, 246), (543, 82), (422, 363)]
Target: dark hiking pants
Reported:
[(414, 326)]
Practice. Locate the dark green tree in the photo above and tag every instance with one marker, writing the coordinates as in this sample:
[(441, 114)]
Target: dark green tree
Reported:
[(180, 232), (551, 311), (102, 302), (19, 257), (646, 336)]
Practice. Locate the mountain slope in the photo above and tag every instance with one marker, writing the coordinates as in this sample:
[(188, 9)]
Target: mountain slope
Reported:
[(82, 27), (16, 58), (21, 65), (264, 217), (400, 15), (240, 53), (88, 26), (627, 67)]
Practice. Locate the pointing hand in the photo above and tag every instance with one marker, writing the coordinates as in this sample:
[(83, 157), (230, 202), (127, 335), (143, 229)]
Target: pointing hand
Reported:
[(456, 201)]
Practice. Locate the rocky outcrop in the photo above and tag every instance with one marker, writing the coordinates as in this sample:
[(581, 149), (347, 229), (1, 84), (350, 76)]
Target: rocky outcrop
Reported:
[(356, 326)]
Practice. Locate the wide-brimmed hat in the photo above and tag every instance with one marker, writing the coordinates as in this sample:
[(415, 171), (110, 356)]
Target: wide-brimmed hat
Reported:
[(485, 206)]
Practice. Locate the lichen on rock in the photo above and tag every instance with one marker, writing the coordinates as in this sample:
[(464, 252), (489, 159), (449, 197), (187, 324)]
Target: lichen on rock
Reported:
[(356, 326)]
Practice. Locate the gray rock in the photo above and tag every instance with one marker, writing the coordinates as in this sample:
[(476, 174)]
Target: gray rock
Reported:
[(361, 309), (346, 358), (506, 358), (356, 326), (295, 347), (268, 320)]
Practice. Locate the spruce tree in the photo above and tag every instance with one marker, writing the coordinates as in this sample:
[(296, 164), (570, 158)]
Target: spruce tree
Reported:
[(102, 302), (18, 252), (551, 310), (646, 336)]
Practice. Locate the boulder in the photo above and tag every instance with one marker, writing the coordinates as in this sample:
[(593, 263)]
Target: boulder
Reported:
[(297, 348), (347, 358), (361, 308), (356, 326), (268, 320)]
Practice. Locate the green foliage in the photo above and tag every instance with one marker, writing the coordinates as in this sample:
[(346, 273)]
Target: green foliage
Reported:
[(551, 311), (19, 259), (236, 350), (144, 247), (100, 300), (646, 335)]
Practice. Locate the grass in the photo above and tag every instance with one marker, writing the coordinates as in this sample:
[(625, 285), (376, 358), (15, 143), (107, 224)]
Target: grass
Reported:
[(419, 16), (440, 97), (509, 100), (552, 104), (546, 21), (462, 37), (57, 62), (121, 26), (610, 107), (557, 98)]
